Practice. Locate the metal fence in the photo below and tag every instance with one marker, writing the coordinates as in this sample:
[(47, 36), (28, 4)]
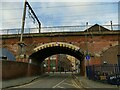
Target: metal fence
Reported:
[(101, 72), (54, 29)]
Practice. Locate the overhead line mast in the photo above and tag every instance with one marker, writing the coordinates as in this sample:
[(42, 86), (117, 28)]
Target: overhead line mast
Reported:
[(26, 4), (21, 43)]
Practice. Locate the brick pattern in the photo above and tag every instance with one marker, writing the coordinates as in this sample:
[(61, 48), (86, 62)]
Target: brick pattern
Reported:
[(96, 44), (11, 69)]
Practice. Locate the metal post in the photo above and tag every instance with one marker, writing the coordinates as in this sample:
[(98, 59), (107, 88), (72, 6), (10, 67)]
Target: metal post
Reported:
[(34, 15), (56, 62), (48, 64), (87, 62), (23, 22), (39, 27), (119, 36), (7, 31), (99, 29), (119, 62), (87, 37), (111, 25), (87, 42)]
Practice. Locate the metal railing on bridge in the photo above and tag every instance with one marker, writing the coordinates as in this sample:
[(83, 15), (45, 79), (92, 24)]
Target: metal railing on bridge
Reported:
[(76, 28)]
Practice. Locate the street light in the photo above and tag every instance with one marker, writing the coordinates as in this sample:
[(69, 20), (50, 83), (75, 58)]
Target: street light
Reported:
[(44, 67)]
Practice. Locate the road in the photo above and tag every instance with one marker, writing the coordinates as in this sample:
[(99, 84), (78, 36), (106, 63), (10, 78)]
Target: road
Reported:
[(55, 80)]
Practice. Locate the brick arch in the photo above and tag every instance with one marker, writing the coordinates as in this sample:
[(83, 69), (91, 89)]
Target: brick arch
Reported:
[(43, 51), (110, 54), (108, 47), (60, 47)]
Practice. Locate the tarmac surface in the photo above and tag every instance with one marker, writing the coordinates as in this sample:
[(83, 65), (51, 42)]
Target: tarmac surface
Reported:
[(81, 82)]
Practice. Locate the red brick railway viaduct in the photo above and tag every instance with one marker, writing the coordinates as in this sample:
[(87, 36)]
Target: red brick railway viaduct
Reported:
[(102, 44)]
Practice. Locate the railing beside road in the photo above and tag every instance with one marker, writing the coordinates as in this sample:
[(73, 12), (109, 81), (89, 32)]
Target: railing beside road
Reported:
[(102, 72)]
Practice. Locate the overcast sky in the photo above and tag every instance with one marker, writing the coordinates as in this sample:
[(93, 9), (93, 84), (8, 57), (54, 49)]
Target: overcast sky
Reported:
[(53, 13)]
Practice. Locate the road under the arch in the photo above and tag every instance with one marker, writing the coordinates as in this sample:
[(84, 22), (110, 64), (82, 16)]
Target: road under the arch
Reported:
[(40, 55)]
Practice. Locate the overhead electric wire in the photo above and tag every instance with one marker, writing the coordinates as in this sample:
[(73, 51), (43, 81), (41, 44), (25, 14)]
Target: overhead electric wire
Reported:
[(54, 16), (75, 5), (75, 16), (68, 16), (64, 6), (11, 18)]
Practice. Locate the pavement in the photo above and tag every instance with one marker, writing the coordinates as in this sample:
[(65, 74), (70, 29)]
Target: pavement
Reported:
[(82, 81), (86, 83), (19, 81)]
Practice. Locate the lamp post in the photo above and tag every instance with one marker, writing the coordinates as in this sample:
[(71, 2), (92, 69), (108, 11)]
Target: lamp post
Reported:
[(87, 53)]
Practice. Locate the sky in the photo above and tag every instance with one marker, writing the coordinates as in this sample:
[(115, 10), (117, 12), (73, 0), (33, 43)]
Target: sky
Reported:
[(59, 13)]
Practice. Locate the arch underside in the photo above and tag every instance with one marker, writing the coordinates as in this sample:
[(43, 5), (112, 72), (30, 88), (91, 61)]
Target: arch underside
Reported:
[(40, 55)]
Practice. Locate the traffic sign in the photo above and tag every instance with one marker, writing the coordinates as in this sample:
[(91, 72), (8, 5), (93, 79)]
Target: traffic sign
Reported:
[(87, 57)]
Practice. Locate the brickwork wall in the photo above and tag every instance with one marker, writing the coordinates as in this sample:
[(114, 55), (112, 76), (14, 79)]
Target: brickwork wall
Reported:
[(0, 71), (96, 44), (12, 69), (110, 55)]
